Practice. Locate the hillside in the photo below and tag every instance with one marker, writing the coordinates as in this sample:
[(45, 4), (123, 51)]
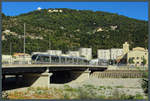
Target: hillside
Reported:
[(69, 29)]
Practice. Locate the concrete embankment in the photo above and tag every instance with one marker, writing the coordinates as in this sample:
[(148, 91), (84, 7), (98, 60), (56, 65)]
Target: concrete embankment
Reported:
[(118, 74)]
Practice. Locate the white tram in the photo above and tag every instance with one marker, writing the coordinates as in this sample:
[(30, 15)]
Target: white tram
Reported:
[(54, 59)]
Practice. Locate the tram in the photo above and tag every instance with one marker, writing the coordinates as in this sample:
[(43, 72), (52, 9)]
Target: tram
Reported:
[(54, 59)]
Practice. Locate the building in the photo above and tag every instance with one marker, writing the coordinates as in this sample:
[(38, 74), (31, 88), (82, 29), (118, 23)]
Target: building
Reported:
[(6, 58), (86, 53), (54, 52), (20, 55), (137, 55), (39, 8), (125, 48), (107, 54), (73, 53), (103, 54), (55, 10), (115, 52), (21, 58)]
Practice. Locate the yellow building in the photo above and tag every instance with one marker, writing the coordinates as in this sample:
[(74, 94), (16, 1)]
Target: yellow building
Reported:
[(134, 56), (137, 54)]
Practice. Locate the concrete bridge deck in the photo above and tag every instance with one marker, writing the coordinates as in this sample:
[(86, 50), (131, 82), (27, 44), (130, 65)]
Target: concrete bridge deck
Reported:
[(39, 68), (49, 65)]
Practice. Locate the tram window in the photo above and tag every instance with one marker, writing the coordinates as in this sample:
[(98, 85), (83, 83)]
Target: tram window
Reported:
[(68, 60), (57, 59), (52, 59), (85, 61), (39, 58), (80, 61), (34, 57), (75, 60), (42, 58), (62, 59), (46, 59)]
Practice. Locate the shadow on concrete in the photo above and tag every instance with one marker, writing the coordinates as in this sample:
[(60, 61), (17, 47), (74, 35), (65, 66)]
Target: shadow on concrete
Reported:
[(62, 77), (13, 83), (58, 77)]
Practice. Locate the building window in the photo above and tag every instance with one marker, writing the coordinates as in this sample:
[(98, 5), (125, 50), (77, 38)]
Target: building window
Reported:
[(137, 62), (137, 58)]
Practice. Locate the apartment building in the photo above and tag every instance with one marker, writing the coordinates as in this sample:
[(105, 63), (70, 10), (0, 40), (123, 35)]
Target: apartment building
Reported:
[(86, 53)]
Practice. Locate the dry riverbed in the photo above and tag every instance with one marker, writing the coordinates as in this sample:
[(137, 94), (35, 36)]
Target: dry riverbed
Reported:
[(92, 88)]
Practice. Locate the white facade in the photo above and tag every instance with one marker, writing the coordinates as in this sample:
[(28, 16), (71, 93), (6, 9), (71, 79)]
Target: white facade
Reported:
[(104, 54), (39, 8), (74, 53), (107, 54), (54, 52), (115, 52), (55, 10), (6, 58), (86, 52), (21, 58)]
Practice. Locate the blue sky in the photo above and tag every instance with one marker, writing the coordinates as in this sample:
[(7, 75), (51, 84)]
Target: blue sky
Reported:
[(137, 10)]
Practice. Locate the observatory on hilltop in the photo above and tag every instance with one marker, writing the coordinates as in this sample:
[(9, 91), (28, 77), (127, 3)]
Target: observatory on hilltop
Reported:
[(39, 8)]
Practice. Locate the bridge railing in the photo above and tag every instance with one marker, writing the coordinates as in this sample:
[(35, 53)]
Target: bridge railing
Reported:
[(52, 63)]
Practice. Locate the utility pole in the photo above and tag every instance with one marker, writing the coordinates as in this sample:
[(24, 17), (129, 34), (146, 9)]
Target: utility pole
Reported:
[(10, 50), (49, 44), (49, 49), (24, 36), (24, 40)]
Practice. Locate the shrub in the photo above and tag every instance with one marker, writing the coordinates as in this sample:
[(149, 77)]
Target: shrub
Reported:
[(4, 95), (144, 83)]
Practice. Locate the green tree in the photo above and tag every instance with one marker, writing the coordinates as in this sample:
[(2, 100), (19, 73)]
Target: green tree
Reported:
[(131, 61), (144, 61)]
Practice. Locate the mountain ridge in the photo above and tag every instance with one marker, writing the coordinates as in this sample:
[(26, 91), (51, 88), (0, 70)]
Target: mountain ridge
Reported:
[(72, 29)]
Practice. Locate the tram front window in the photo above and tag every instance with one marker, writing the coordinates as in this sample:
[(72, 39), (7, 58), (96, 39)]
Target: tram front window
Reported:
[(43, 59), (34, 57)]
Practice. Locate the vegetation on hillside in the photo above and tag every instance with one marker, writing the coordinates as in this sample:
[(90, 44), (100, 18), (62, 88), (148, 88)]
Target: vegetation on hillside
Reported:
[(72, 29)]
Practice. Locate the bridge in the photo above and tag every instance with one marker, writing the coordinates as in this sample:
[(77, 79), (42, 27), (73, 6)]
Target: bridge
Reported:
[(41, 75)]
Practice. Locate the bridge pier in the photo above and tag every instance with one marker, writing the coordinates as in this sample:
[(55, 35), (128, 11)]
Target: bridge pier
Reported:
[(37, 80), (80, 76)]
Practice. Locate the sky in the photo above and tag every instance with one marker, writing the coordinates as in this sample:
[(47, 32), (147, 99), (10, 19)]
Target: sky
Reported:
[(137, 10)]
